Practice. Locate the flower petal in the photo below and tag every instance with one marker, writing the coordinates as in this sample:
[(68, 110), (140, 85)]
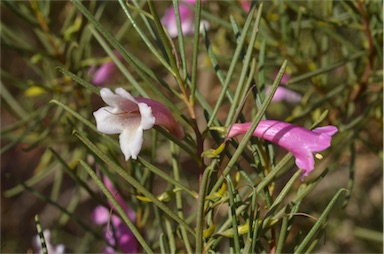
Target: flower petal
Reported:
[(100, 215), (328, 130), (284, 94), (131, 140), (304, 160), (107, 121), (111, 99), (120, 91), (163, 117), (147, 118), (104, 73)]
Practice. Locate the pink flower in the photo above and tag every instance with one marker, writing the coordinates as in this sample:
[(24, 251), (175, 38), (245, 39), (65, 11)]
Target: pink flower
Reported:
[(118, 234), (129, 116), (302, 143), (105, 73), (284, 94), (245, 4), (186, 18), (284, 80)]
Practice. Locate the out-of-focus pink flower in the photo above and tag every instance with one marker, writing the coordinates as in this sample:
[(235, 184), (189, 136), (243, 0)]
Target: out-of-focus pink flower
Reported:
[(129, 116), (284, 80), (284, 94), (302, 143), (105, 73), (118, 234), (186, 18), (58, 249), (245, 4)]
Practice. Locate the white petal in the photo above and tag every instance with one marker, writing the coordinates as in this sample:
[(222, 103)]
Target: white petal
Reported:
[(121, 101), (111, 123), (204, 24), (110, 98), (120, 91), (108, 122), (60, 248), (147, 118), (131, 140)]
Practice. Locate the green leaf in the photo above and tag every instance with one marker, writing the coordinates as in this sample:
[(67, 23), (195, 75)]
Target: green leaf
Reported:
[(234, 62), (115, 167), (320, 222)]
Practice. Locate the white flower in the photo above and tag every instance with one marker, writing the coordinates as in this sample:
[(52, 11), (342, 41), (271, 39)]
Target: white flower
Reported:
[(58, 249), (126, 116), (129, 116)]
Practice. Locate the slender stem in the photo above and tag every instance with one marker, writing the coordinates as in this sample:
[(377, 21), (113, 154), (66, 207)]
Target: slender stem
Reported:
[(179, 197), (200, 207), (195, 50), (232, 67)]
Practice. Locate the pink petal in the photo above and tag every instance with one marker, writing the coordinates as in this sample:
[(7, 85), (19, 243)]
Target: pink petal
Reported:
[(163, 117), (301, 142), (100, 215)]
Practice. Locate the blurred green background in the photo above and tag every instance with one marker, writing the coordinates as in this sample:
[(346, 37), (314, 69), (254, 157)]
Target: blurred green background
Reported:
[(335, 60)]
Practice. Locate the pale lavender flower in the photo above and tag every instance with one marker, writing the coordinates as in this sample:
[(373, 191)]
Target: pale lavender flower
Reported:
[(105, 73), (301, 142), (129, 116), (58, 249), (284, 94), (117, 233), (186, 18)]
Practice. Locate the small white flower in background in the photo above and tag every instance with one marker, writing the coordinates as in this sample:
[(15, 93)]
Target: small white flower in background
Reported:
[(129, 116), (59, 249)]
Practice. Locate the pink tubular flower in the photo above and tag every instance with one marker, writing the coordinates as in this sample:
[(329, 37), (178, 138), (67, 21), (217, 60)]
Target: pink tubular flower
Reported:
[(105, 73), (117, 234), (302, 143), (129, 116), (186, 18)]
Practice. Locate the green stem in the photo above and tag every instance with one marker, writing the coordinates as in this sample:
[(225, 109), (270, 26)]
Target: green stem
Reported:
[(196, 43), (200, 207)]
